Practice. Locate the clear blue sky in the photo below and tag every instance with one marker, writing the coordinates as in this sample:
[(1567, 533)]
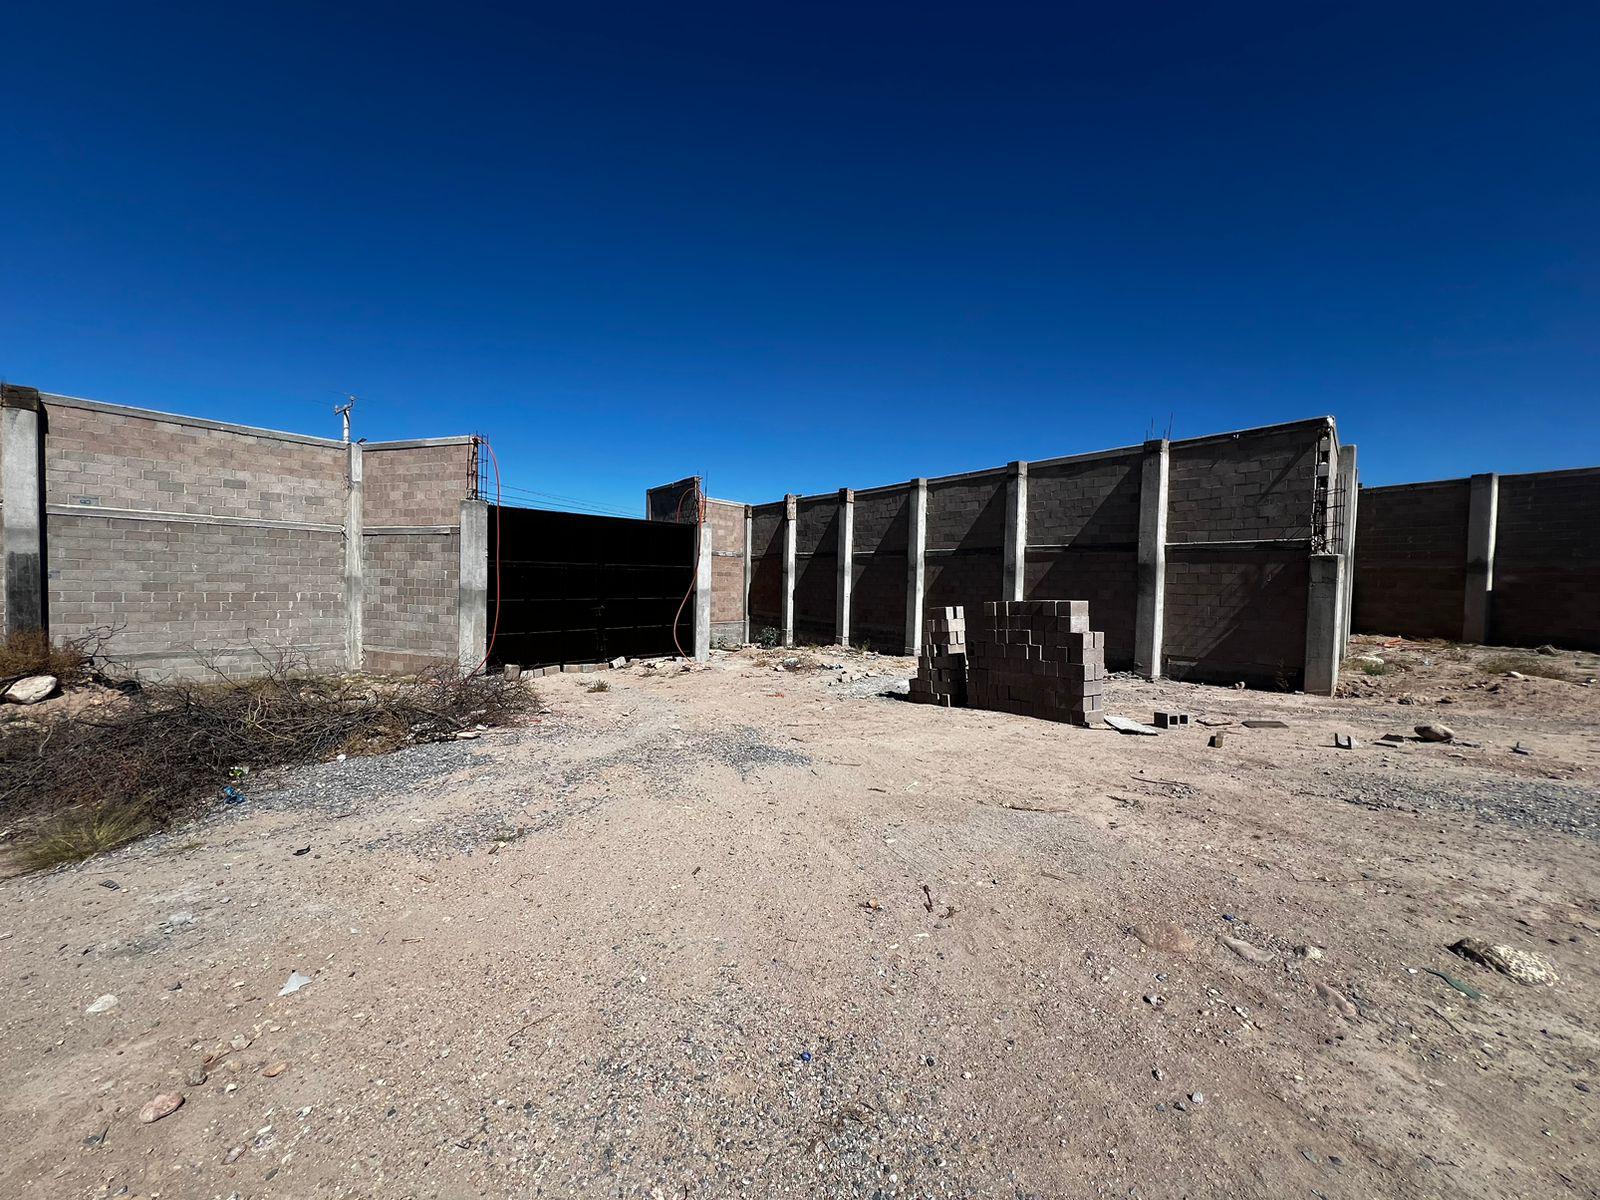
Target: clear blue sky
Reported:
[(800, 247)]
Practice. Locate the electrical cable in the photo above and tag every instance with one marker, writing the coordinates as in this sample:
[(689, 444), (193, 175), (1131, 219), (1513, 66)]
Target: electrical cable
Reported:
[(694, 574)]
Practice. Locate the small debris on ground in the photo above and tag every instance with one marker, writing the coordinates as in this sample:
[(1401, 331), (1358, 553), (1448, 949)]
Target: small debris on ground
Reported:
[(295, 982), (1246, 951), (1124, 725), (162, 1105), (1525, 966), (1432, 732)]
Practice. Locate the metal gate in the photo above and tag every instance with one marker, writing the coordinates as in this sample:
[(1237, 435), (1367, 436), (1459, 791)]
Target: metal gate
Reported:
[(575, 588)]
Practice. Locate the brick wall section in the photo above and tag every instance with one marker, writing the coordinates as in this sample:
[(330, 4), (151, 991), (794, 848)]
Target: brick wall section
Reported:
[(727, 571), (409, 617), (1252, 485), (816, 582), (112, 460), (966, 530), (1083, 539), (878, 587), (1547, 560), (187, 593), (416, 485), (1411, 559), (766, 568), (1237, 615)]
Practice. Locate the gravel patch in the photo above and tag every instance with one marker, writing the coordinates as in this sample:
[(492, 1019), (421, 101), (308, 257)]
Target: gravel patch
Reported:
[(1572, 808)]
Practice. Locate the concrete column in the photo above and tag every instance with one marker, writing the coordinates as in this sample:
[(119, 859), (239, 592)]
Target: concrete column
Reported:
[(847, 551), (749, 536), (1483, 514), (788, 569), (1323, 649), (702, 593), (354, 562), (472, 612), (1016, 547), (22, 469), (916, 575), (1349, 487), (1149, 627)]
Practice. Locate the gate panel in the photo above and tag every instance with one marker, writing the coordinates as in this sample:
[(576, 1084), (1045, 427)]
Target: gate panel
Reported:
[(577, 588)]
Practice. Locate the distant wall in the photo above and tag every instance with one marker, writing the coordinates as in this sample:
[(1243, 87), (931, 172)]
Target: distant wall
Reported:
[(727, 572), (1245, 513), (1412, 562)]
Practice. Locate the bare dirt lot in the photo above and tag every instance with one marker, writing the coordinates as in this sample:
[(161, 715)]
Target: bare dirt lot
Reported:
[(754, 931)]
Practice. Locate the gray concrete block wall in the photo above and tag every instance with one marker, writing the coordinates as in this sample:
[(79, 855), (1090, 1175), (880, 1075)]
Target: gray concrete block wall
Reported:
[(1255, 485), (965, 554), (186, 595), (1237, 614), (104, 459), (413, 485), (204, 542), (1411, 559), (411, 612)]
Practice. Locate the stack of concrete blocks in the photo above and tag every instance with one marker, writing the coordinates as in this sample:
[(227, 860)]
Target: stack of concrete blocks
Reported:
[(1038, 658), (942, 665)]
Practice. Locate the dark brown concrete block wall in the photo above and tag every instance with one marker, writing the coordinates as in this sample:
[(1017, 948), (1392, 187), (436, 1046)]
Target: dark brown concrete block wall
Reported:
[(1411, 560), (1241, 511)]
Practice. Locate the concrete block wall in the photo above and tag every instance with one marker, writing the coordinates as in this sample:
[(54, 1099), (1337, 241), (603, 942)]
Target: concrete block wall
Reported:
[(882, 531), (727, 521), (411, 533), (816, 549), (1207, 545), (206, 543), (1241, 515), (1083, 540), (1504, 559), (1411, 559)]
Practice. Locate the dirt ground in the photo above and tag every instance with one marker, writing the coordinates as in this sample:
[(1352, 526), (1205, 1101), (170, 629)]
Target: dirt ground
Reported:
[(753, 931)]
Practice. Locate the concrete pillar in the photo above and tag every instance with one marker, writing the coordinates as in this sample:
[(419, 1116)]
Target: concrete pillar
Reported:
[(472, 613), (1483, 514), (1349, 488), (1323, 649), (847, 551), (1016, 546), (22, 469), (1149, 627), (789, 516), (702, 592), (916, 544), (354, 562), (749, 536)]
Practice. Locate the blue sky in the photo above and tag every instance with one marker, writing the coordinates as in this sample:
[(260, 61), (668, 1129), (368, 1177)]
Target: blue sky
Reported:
[(810, 246)]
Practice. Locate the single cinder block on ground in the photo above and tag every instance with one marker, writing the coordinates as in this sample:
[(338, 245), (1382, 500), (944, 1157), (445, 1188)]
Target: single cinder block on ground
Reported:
[(1171, 720)]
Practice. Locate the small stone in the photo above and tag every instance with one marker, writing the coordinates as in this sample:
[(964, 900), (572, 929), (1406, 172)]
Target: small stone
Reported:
[(1308, 951), (1515, 675), (276, 1069), (233, 1155), (1164, 936), (1336, 1001), (1197, 1097), (1433, 732), (240, 1042), (30, 690), (163, 1105), (104, 1004), (1246, 951), (195, 1077)]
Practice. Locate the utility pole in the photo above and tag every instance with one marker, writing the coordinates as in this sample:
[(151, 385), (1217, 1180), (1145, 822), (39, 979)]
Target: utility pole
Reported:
[(344, 411)]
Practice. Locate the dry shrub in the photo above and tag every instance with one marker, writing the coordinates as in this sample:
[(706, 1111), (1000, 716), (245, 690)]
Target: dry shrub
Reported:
[(167, 748), (71, 661)]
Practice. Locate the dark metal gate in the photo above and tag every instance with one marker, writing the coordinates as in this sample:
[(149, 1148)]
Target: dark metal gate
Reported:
[(577, 588)]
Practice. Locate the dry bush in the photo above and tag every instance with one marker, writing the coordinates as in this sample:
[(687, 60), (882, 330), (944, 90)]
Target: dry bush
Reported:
[(169, 747), (71, 661)]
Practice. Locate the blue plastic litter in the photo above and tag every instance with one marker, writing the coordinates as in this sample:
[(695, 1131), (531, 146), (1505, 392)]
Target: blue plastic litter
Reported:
[(232, 795), (805, 1056)]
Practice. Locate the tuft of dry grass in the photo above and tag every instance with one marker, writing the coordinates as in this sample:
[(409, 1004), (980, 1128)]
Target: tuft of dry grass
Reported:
[(1523, 664), (74, 836), (600, 685)]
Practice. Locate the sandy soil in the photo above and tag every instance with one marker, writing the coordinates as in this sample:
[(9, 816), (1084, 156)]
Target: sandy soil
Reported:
[(749, 931)]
